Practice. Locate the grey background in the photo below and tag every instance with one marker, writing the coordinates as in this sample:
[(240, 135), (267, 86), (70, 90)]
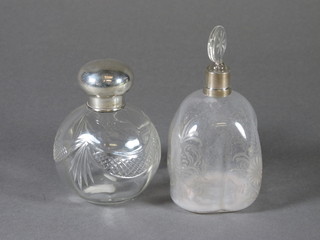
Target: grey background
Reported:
[(274, 53)]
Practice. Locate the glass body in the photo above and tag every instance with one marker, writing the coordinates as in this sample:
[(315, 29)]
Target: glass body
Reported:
[(214, 156), (107, 157)]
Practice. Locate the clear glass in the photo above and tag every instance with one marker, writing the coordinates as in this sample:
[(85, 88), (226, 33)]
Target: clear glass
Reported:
[(107, 157), (217, 44), (214, 156)]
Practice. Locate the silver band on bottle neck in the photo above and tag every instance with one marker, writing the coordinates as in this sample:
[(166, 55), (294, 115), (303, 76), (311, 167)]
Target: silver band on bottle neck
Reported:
[(217, 81), (108, 104)]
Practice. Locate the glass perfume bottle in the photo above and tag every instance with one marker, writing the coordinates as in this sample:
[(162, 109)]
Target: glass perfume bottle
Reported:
[(214, 156), (107, 151)]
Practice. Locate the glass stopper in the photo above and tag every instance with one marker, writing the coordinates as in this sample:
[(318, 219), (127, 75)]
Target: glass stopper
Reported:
[(217, 44)]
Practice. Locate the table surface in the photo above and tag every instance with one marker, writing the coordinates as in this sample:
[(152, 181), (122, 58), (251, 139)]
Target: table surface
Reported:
[(274, 53)]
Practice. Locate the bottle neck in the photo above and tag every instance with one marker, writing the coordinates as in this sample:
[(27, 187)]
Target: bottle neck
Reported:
[(217, 81), (106, 104)]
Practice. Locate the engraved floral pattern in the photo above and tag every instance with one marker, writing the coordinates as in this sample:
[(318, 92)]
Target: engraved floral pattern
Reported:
[(190, 150), (255, 171), (215, 157), (251, 169), (217, 44)]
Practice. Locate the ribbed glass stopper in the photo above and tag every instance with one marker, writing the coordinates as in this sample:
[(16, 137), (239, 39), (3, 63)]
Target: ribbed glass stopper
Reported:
[(217, 44)]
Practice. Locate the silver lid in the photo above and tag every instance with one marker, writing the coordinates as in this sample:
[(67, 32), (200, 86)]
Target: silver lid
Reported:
[(217, 74), (105, 81)]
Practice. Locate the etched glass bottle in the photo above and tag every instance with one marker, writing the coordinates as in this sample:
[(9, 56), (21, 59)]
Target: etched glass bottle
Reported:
[(214, 156), (107, 151)]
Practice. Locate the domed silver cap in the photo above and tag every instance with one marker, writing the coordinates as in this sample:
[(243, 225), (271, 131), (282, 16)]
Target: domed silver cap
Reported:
[(105, 81)]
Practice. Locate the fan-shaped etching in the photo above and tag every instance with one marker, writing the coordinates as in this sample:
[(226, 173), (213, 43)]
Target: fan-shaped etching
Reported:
[(251, 169), (255, 171), (82, 152), (190, 150)]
